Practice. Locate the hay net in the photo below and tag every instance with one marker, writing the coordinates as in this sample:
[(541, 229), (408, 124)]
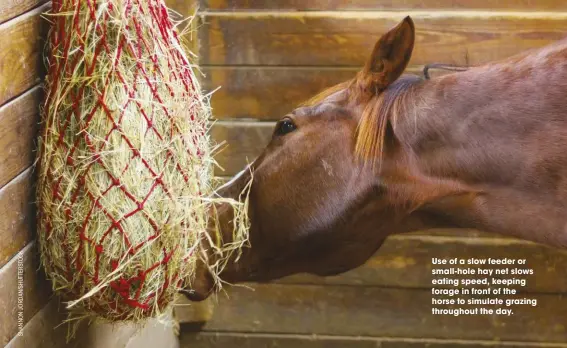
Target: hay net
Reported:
[(125, 160)]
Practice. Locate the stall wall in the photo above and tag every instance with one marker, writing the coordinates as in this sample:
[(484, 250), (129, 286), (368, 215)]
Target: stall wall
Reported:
[(268, 56)]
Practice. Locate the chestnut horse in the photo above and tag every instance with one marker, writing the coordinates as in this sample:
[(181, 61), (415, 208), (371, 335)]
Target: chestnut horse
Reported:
[(388, 153)]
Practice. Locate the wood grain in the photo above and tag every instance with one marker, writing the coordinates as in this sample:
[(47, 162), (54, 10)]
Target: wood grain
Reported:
[(13, 8), (382, 4), (266, 93), (36, 291), (267, 340), (21, 53), (346, 38), (18, 129), (370, 311), (17, 216)]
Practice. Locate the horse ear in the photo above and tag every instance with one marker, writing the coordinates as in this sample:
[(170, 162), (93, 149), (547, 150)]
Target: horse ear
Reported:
[(389, 58)]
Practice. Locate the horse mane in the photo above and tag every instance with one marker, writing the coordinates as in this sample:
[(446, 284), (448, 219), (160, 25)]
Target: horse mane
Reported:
[(381, 112)]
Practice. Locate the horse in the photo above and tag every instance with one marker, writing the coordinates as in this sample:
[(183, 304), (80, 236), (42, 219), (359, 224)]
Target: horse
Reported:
[(387, 153)]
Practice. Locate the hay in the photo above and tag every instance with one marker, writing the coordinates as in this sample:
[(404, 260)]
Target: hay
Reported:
[(125, 162)]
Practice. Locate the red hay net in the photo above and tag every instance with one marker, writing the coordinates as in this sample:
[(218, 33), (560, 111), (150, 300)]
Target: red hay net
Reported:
[(121, 296)]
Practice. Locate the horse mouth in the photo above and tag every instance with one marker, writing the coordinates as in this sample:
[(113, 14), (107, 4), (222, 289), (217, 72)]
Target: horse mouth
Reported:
[(202, 285)]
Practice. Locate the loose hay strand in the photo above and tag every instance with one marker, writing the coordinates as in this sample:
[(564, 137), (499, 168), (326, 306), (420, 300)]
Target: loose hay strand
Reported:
[(125, 162)]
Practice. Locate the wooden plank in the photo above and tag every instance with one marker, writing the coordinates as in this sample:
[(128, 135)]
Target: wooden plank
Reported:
[(266, 93), (36, 291), (11, 9), (252, 340), (405, 261), (21, 53), (319, 5), (18, 129), (244, 141), (346, 38), (355, 311), (17, 216)]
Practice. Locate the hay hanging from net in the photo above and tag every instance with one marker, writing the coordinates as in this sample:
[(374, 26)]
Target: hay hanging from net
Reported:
[(125, 161)]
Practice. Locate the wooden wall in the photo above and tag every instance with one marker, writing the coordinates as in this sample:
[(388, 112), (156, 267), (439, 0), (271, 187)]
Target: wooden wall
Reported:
[(267, 56)]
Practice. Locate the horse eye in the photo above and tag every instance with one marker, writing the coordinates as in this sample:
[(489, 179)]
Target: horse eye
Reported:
[(285, 126)]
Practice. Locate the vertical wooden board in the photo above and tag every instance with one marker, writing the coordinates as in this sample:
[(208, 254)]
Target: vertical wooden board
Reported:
[(21, 53), (369, 311), (13, 8), (18, 129), (21, 279), (242, 141), (346, 38), (319, 5), (17, 215)]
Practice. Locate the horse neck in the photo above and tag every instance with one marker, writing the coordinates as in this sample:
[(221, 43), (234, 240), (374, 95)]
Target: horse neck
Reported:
[(494, 138)]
